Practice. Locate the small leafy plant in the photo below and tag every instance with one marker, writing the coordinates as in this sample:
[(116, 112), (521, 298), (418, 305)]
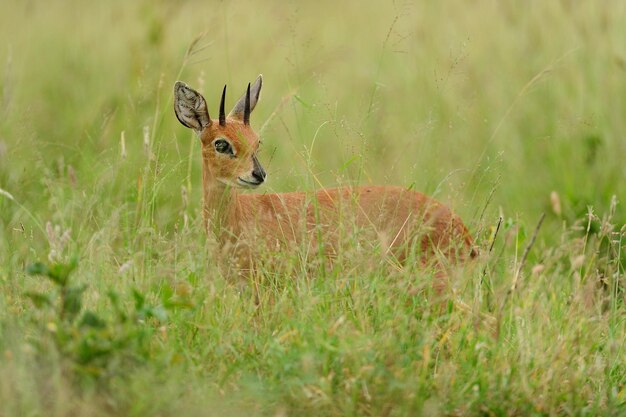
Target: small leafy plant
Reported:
[(94, 345)]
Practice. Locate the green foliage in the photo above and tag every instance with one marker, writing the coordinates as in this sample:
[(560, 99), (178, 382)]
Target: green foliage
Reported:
[(96, 345)]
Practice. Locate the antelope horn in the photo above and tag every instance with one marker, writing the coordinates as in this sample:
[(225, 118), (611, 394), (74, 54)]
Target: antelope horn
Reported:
[(246, 109), (222, 113)]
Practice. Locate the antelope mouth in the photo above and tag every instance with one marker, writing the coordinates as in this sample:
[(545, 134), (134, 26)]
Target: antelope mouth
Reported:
[(247, 183)]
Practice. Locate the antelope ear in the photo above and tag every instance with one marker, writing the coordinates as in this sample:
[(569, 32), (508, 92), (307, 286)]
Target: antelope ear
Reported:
[(190, 107), (237, 112)]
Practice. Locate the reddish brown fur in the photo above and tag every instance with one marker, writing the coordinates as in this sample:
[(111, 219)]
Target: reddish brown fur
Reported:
[(250, 221), (393, 219)]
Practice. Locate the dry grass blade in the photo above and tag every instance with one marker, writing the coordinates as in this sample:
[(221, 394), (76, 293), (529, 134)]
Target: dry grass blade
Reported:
[(518, 271), (194, 48), (493, 242), (495, 234), (525, 254)]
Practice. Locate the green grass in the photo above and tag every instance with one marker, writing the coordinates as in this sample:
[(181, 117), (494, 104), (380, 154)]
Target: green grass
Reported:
[(489, 106)]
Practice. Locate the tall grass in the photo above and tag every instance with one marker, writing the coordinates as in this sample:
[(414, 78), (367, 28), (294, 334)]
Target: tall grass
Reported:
[(499, 109)]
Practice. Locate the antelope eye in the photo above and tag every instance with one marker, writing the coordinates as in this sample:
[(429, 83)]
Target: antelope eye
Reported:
[(223, 146)]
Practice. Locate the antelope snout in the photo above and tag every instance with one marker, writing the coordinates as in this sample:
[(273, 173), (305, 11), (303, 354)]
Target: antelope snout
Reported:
[(258, 173), (256, 177)]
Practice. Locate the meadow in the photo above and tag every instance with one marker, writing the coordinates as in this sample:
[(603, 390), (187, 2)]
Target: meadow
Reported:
[(512, 113)]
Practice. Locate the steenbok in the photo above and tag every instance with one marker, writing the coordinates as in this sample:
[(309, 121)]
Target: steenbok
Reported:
[(399, 222)]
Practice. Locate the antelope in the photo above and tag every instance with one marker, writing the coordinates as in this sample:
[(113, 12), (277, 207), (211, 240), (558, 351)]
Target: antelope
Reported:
[(245, 224)]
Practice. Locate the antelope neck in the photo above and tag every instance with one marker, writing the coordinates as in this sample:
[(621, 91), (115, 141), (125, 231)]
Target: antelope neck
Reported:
[(219, 204)]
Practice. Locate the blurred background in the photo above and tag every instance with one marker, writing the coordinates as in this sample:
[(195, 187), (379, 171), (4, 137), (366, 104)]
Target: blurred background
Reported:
[(490, 106)]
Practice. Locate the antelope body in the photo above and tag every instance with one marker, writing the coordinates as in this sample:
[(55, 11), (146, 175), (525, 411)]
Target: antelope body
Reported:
[(399, 220)]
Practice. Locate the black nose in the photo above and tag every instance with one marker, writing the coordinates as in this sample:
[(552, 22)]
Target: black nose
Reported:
[(257, 171), (259, 174)]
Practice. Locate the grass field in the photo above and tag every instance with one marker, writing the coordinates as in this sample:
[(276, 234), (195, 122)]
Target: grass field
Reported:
[(500, 109)]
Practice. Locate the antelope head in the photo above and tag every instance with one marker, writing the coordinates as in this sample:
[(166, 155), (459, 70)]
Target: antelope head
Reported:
[(229, 145)]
